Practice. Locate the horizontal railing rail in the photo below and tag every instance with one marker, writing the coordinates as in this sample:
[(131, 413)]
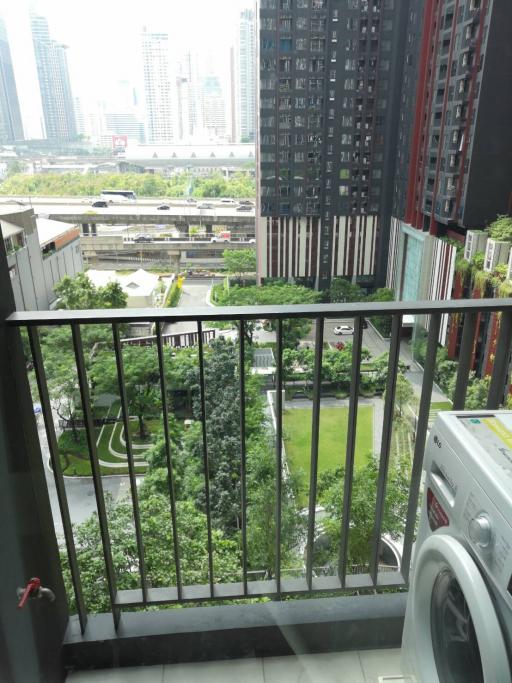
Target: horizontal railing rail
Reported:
[(205, 313), (375, 576)]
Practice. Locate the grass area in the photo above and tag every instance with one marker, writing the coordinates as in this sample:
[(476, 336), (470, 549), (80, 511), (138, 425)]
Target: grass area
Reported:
[(332, 442), (441, 405)]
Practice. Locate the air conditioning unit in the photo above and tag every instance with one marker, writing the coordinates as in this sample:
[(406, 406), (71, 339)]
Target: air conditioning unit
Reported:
[(496, 252), (476, 240), (509, 269)]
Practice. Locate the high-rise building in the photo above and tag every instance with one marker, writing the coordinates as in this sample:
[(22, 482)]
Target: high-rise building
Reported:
[(189, 72), (159, 88), (214, 109), (183, 106), (330, 85), (11, 127), (233, 87), (247, 75), (54, 83), (454, 169)]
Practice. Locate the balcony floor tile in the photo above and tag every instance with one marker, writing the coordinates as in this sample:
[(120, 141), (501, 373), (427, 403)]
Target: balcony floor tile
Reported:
[(228, 671), (342, 667)]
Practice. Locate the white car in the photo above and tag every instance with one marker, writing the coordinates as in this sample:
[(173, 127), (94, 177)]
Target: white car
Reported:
[(343, 329)]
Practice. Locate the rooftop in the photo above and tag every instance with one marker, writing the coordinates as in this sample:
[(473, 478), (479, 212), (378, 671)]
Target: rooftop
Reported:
[(139, 283)]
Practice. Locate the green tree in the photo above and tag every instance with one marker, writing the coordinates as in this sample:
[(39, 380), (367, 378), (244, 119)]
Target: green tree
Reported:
[(403, 393), (343, 290), (141, 377), (382, 322), (78, 292), (240, 261)]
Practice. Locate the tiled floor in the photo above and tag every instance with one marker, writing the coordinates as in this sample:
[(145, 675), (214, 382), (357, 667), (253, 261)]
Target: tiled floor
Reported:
[(344, 667)]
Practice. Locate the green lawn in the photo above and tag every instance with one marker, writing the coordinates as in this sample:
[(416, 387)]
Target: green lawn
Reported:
[(333, 438)]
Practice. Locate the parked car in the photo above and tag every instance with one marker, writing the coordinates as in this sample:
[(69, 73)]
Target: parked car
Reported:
[(163, 207), (244, 207), (100, 204), (343, 329), (143, 238)]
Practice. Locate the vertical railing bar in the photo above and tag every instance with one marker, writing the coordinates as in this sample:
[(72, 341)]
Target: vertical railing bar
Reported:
[(60, 486), (315, 435), (465, 354), (421, 437), (387, 427), (168, 458), (129, 457), (279, 449), (351, 446), (205, 454), (500, 371), (243, 473), (96, 471)]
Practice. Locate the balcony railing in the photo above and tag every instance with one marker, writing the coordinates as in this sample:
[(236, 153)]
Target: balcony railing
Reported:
[(374, 576)]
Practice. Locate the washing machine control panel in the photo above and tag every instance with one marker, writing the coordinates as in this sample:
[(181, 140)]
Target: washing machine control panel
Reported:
[(480, 531)]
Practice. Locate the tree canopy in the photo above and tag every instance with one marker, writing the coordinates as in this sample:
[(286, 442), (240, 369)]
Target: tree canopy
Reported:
[(80, 293), (501, 229), (240, 261)]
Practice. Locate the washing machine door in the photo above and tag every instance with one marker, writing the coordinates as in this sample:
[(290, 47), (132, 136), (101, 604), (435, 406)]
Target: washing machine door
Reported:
[(457, 634)]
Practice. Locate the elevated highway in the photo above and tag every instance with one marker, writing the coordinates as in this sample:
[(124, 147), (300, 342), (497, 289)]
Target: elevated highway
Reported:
[(181, 214)]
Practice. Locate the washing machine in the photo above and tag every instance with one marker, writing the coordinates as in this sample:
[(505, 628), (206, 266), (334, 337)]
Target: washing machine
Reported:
[(458, 623)]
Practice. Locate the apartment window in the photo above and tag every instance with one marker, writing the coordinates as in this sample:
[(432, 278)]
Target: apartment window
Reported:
[(332, 75), (285, 139), (268, 4), (348, 103), (353, 4), (285, 65), (314, 121), (350, 65), (300, 83), (284, 191), (316, 83), (377, 174), (299, 157), (349, 84), (267, 190), (300, 103), (317, 45), (346, 139), (284, 156), (268, 121), (302, 23), (268, 102), (335, 15), (318, 4), (268, 64), (315, 101), (300, 121), (267, 139), (268, 157), (268, 24), (315, 137), (334, 37), (328, 166), (285, 44), (285, 4), (301, 64), (285, 103), (345, 156), (330, 149), (333, 56), (285, 84), (302, 4), (300, 139), (268, 44), (343, 190), (317, 65), (331, 114), (330, 131), (268, 83), (285, 24), (351, 24), (301, 43), (285, 121)]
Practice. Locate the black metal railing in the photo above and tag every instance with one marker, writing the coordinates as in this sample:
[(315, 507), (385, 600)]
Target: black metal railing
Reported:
[(375, 576)]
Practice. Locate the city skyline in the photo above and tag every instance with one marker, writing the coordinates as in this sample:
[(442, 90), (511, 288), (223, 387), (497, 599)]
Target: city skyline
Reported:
[(96, 65)]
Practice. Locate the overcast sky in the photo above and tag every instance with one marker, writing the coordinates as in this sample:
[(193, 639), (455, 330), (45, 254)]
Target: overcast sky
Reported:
[(103, 37)]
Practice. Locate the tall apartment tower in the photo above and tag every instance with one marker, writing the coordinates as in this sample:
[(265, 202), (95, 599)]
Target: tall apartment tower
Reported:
[(214, 108), (330, 83), (454, 169), (11, 127), (54, 83), (159, 88), (247, 75)]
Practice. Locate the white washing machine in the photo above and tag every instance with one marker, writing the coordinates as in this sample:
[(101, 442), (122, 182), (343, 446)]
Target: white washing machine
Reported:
[(458, 624)]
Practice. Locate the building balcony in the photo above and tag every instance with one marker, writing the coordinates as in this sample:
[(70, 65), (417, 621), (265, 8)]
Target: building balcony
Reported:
[(350, 606)]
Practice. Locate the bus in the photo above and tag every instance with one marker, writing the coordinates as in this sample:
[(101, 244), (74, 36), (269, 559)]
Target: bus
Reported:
[(119, 195)]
